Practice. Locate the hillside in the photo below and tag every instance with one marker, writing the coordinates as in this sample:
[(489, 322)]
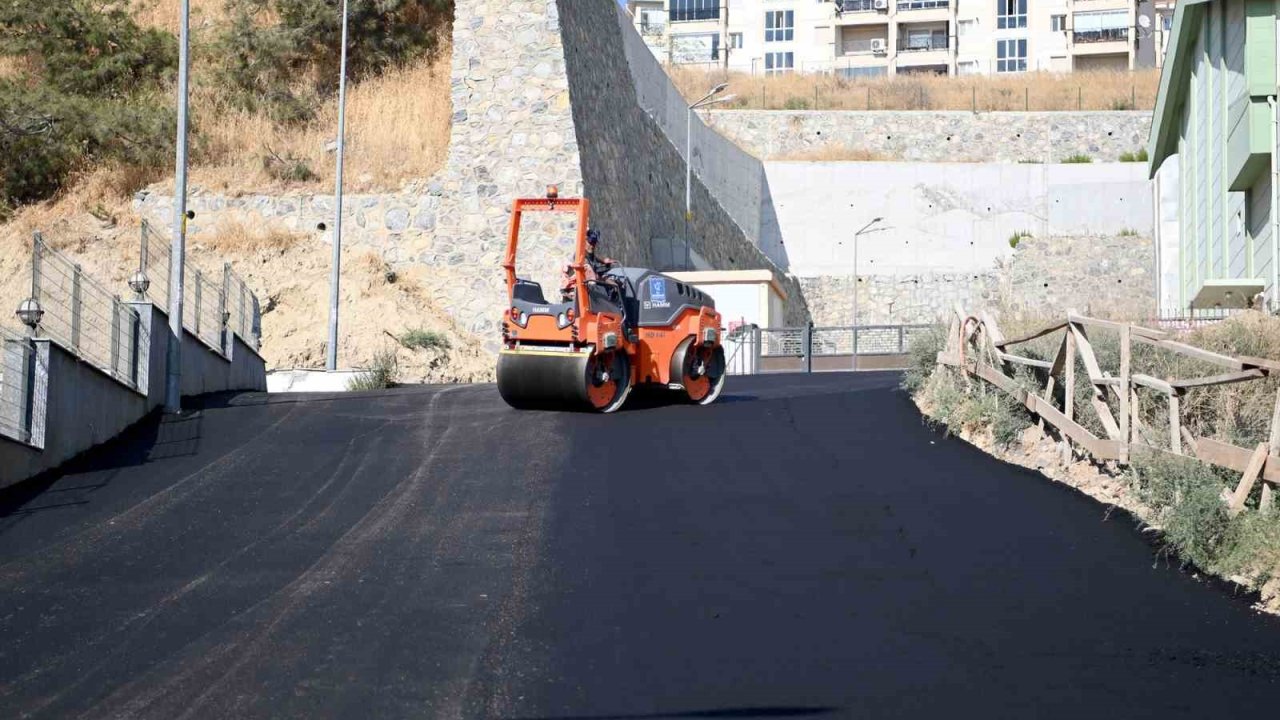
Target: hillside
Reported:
[(397, 130)]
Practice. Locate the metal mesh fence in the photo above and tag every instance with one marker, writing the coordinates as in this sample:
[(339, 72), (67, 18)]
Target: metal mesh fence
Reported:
[(207, 298), (871, 340), (781, 341), (16, 357), (81, 314)]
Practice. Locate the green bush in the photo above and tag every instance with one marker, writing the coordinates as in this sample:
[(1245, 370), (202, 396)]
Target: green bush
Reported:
[(381, 374), (1077, 158), (424, 340), (95, 94), (281, 56), (1017, 237), (1139, 156), (796, 103)]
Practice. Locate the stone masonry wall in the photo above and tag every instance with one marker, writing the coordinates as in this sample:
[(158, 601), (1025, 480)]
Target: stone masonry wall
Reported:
[(938, 136), (1106, 276), (543, 93)]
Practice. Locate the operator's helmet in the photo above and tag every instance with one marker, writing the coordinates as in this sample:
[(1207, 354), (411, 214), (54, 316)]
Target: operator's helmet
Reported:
[(593, 237)]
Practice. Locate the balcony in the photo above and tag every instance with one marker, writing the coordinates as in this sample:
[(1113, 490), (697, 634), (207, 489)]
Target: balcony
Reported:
[(694, 14), (910, 5), (649, 28), (1118, 34), (857, 6), (917, 44)]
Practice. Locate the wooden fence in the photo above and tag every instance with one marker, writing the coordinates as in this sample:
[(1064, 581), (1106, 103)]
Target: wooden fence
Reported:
[(976, 346)]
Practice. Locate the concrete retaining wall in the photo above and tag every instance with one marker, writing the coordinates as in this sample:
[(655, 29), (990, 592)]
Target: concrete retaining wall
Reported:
[(78, 406), (938, 136), (946, 217)]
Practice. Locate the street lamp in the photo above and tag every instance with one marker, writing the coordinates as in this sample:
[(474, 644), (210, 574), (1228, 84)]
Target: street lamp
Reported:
[(856, 235), (688, 159), (335, 271)]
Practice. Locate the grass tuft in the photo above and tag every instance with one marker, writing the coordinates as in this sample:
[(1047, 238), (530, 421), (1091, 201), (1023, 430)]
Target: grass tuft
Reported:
[(381, 374), (1078, 158), (420, 339)]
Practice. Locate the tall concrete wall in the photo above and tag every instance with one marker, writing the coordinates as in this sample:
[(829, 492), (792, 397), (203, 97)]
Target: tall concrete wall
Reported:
[(1101, 275), (78, 406), (938, 136), (945, 217)]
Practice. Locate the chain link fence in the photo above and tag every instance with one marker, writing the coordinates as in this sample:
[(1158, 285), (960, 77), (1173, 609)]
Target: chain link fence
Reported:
[(82, 315)]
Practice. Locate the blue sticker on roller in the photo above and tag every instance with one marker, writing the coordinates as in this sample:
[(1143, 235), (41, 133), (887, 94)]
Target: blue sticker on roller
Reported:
[(658, 289)]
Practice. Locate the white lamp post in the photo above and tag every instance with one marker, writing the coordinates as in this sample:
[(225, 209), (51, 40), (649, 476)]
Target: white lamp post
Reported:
[(688, 159)]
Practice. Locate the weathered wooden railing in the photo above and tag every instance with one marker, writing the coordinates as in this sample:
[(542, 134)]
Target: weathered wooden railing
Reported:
[(976, 346)]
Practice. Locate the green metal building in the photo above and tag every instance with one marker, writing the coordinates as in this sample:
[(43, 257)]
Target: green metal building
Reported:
[(1216, 118)]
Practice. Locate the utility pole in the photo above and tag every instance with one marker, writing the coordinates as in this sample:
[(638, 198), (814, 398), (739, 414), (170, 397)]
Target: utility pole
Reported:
[(177, 262), (336, 271)]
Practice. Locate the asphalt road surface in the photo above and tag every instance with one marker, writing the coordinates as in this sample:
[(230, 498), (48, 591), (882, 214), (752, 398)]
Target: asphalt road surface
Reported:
[(805, 547)]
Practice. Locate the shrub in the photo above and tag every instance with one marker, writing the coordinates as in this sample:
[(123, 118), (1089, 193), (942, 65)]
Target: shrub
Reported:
[(282, 55), (1017, 237), (92, 96), (420, 339), (1139, 156), (1127, 232), (796, 103), (287, 168), (1077, 158), (922, 357), (380, 375)]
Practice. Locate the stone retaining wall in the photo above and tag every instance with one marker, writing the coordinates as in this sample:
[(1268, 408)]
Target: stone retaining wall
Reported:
[(938, 136), (1106, 276)]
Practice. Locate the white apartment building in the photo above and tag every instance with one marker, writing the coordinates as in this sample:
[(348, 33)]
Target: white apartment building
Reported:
[(886, 37)]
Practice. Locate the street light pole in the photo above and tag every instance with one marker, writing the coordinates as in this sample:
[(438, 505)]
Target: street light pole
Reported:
[(688, 161), (177, 261), (856, 235), (335, 272)]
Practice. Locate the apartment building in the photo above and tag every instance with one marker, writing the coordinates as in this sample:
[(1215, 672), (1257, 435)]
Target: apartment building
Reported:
[(886, 37)]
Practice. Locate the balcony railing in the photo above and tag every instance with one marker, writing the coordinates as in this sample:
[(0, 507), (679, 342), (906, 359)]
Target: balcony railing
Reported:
[(1104, 35), (906, 5), (853, 6), (906, 45), (690, 14)]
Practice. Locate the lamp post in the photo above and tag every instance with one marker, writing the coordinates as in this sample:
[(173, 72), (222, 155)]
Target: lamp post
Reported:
[(856, 235), (688, 159), (177, 260), (331, 360)]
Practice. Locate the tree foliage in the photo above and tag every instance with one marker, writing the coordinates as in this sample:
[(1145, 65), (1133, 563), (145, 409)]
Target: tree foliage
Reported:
[(90, 94), (281, 55)]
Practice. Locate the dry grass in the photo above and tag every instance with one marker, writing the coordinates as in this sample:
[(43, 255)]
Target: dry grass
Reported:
[(1022, 91), (397, 129), (164, 14), (835, 152)]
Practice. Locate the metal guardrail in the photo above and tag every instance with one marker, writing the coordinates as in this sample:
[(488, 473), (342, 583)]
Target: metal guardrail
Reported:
[(82, 315), (751, 350)]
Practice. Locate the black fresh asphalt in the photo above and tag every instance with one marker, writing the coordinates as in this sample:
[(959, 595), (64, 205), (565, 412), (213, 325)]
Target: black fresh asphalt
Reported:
[(806, 547)]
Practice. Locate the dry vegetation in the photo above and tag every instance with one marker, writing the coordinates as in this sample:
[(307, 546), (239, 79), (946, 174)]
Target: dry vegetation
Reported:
[(397, 130), (836, 152), (1180, 497), (1020, 91)]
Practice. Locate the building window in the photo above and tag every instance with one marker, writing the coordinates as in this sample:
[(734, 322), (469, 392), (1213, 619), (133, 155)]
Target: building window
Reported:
[(687, 10), (1011, 55), (779, 25), (905, 5), (1011, 14), (735, 41), (1102, 26), (695, 48), (924, 39), (967, 67), (966, 27), (778, 62), (1058, 23)]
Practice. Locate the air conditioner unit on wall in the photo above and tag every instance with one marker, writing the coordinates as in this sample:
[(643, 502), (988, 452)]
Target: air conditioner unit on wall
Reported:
[(879, 46), (881, 4)]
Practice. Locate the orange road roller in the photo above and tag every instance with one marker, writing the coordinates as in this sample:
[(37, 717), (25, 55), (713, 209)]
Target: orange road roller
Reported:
[(609, 329)]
